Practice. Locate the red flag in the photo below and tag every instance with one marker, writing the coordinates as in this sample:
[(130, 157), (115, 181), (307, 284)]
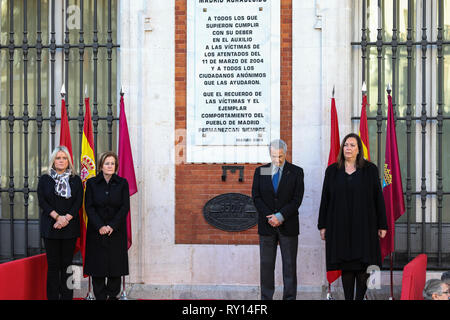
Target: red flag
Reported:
[(333, 275), (392, 184), (126, 167), (87, 169), (364, 130), (335, 145), (64, 138)]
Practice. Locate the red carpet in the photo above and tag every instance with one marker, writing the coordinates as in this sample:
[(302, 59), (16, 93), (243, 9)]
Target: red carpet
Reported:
[(24, 279)]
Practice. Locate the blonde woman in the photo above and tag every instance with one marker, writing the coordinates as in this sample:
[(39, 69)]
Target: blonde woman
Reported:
[(60, 194)]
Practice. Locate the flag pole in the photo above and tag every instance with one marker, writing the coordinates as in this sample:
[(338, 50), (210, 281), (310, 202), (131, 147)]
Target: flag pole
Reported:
[(90, 295), (63, 91), (329, 295), (388, 90), (123, 294), (392, 282)]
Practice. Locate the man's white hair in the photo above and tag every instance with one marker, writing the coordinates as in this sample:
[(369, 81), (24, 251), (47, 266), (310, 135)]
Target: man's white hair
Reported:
[(278, 144)]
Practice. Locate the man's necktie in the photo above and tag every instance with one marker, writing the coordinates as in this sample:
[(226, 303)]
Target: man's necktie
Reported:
[(276, 179)]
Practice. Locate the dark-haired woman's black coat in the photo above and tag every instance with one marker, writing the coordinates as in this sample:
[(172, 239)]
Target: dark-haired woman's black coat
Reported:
[(106, 204), (352, 233)]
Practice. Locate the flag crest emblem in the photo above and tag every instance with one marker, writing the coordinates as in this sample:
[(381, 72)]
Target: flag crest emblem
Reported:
[(87, 168), (387, 180)]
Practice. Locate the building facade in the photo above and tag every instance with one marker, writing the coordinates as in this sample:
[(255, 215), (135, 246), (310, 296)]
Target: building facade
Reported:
[(147, 48)]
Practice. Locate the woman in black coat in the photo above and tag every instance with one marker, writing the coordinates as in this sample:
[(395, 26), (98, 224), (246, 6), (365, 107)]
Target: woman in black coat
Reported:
[(60, 195), (352, 216), (107, 202)]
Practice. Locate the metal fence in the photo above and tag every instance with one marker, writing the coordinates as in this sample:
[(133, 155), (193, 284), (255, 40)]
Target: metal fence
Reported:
[(93, 53), (413, 235)]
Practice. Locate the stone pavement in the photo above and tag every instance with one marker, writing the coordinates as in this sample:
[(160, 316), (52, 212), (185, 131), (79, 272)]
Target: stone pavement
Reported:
[(223, 292), (244, 292)]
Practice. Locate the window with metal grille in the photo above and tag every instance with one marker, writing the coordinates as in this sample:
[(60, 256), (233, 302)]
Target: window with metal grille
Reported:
[(43, 45), (406, 43)]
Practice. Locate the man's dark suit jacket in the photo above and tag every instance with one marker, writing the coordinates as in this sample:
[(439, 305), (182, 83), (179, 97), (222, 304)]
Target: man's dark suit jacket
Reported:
[(286, 200)]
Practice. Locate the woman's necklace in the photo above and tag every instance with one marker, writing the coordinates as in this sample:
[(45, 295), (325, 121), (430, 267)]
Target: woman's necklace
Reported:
[(350, 168)]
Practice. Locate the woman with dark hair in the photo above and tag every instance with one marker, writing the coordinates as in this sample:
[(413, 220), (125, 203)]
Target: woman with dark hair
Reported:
[(60, 195), (107, 202), (352, 216)]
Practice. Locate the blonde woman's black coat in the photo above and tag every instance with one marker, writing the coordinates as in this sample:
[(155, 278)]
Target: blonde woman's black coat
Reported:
[(49, 201)]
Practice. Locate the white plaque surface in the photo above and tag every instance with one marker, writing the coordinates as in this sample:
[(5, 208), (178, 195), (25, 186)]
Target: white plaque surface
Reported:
[(233, 80)]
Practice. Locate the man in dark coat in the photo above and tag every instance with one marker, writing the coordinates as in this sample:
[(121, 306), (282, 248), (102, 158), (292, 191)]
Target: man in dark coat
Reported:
[(277, 193), (107, 202)]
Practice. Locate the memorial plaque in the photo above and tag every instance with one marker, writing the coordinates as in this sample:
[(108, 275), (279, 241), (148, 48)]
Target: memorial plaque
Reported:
[(232, 78), (231, 212)]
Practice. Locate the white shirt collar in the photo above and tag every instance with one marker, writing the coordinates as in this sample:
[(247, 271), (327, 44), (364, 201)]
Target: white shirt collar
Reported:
[(275, 168)]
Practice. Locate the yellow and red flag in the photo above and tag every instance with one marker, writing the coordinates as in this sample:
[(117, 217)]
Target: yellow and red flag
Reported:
[(87, 169), (363, 129)]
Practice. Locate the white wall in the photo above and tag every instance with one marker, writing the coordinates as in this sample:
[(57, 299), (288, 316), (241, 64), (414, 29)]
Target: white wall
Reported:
[(321, 58)]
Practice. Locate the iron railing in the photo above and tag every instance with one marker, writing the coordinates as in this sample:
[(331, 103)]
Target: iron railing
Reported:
[(408, 242), (13, 121)]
